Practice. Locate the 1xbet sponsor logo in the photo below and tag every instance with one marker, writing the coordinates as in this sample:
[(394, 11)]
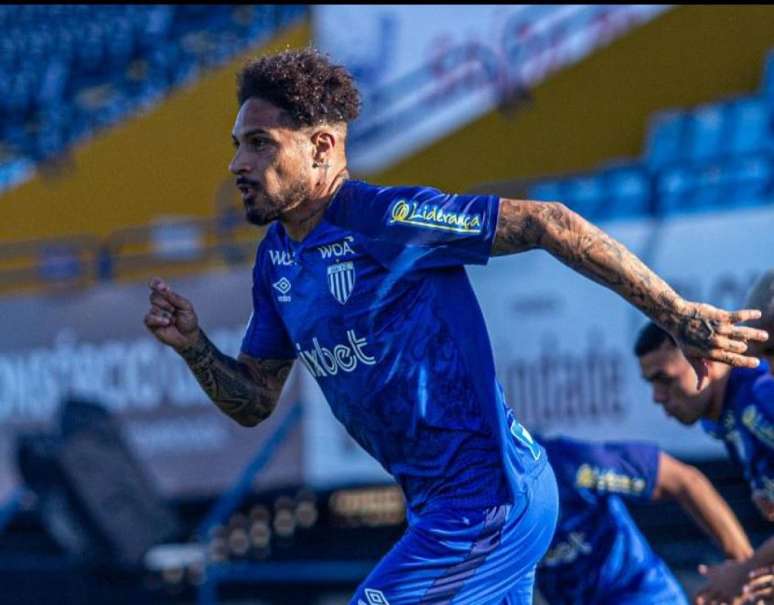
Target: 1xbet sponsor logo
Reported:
[(321, 361)]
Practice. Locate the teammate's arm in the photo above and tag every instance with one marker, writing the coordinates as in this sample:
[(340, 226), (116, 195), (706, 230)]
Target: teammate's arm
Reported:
[(702, 330), (695, 494), (246, 389)]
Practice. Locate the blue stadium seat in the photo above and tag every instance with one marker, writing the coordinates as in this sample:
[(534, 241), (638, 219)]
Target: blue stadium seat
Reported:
[(50, 54), (547, 191), (627, 192), (767, 82), (750, 126), (706, 132), (674, 190), (666, 137), (585, 195), (751, 181)]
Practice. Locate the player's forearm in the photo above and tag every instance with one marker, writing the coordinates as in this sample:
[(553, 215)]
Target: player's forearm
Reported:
[(763, 555), (523, 225), (247, 397), (710, 512)]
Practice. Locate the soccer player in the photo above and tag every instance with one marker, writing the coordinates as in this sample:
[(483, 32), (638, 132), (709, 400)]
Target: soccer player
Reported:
[(598, 555), (365, 285), (761, 296), (724, 579), (734, 405)]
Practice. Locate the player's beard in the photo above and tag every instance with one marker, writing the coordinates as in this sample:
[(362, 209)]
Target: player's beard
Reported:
[(266, 208)]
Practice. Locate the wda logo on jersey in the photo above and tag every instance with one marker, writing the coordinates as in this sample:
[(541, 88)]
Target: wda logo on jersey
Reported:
[(281, 257), (375, 597), (341, 281), (283, 287), (337, 249)]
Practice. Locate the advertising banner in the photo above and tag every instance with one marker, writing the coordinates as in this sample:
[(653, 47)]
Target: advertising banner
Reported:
[(93, 344), (563, 344), (427, 70)]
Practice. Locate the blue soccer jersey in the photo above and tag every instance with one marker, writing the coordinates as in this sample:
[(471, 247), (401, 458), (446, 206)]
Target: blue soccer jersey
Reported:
[(375, 302), (746, 426), (598, 555)]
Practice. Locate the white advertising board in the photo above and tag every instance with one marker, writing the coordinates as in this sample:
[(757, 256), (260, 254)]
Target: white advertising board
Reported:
[(426, 70)]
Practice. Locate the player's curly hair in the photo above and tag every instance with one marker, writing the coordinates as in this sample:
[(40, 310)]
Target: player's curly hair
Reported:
[(304, 83)]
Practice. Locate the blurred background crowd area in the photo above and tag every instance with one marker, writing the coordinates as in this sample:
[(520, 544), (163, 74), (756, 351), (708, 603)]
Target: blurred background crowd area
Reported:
[(655, 122)]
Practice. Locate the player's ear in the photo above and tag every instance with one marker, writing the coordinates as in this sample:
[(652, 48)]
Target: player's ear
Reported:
[(324, 141)]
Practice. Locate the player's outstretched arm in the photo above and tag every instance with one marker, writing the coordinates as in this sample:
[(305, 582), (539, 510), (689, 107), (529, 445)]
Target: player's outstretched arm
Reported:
[(693, 491), (702, 330), (740, 582), (246, 389)]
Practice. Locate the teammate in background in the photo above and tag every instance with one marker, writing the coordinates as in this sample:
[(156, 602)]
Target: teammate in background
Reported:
[(736, 406), (761, 296), (366, 286), (756, 573), (598, 555)]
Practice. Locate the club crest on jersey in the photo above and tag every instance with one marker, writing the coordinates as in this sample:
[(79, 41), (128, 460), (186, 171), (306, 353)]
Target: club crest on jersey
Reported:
[(341, 281)]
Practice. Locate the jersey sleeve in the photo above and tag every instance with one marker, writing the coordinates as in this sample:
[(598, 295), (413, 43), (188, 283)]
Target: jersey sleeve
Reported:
[(265, 336), (758, 418), (627, 469), (418, 227)]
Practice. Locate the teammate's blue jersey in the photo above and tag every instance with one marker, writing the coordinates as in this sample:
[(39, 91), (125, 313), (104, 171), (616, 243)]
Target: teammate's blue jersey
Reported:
[(375, 302), (746, 426), (598, 555)]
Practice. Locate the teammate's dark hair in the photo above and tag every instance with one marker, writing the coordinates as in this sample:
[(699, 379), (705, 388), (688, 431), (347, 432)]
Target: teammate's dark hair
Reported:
[(650, 338), (304, 83)]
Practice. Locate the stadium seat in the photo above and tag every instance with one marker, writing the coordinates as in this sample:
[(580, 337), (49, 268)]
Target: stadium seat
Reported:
[(666, 136), (674, 190), (705, 132), (585, 195), (627, 191), (750, 126), (51, 56), (767, 81), (546, 191)]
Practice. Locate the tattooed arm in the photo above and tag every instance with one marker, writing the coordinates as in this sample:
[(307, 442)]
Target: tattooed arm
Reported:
[(702, 330), (246, 389)]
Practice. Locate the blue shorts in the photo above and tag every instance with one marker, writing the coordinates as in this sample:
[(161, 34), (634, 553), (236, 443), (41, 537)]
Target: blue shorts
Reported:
[(654, 586), (468, 557)]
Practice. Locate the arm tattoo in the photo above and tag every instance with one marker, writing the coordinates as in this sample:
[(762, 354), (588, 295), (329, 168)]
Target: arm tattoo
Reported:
[(524, 225), (247, 393)]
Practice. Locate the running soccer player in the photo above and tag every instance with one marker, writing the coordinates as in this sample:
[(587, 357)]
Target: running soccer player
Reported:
[(761, 296), (598, 555), (736, 406), (723, 580), (365, 285)]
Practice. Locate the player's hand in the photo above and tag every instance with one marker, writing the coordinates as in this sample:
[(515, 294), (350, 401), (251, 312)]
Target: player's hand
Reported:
[(707, 333), (759, 589), (764, 504), (724, 583), (171, 317)]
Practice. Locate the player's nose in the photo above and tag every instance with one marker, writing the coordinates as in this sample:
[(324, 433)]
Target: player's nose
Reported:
[(238, 164)]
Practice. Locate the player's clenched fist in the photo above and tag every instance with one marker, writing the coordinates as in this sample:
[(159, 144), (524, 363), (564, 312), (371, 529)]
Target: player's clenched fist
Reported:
[(171, 317)]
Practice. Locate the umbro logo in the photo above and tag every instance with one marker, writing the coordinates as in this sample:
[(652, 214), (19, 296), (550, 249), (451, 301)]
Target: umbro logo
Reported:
[(283, 287), (375, 597)]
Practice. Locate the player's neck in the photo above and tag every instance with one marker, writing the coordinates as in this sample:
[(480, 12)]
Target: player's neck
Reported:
[(718, 387), (301, 220)]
